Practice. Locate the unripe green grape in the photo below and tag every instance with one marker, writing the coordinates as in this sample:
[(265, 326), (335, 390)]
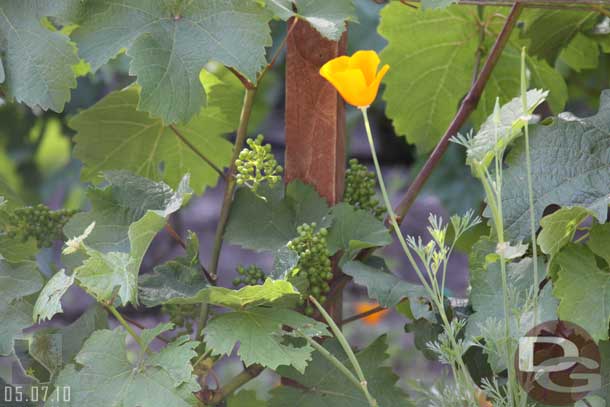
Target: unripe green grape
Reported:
[(314, 258), (38, 222), (360, 185)]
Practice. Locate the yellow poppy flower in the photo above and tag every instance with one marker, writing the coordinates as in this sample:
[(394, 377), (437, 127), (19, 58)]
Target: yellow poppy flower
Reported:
[(356, 77)]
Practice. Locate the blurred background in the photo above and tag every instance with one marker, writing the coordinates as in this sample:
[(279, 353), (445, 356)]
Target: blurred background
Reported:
[(36, 161)]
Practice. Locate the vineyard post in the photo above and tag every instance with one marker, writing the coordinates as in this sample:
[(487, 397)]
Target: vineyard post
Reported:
[(315, 122)]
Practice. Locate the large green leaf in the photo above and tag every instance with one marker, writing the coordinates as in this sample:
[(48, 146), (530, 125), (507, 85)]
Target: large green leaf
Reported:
[(583, 290), (49, 300), (355, 229), (170, 43), (546, 77), (558, 228), (323, 385), (15, 316), (261, 336), (165, 288), (104, 376), (268, 221), (37, 63), (486, 299), (562, 173), (245, 398), (549, 31), (113, 135), (432, 69), (382, 285), (16, 282), (127, 215), (581, 53), (496, 134), (328, 17)]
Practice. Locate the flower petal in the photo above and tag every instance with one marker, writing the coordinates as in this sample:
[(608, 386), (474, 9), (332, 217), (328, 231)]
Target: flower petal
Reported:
[(367, 62), (351, 84)]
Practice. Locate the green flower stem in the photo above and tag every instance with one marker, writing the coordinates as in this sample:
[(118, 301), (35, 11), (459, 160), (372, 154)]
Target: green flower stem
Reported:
[(437, 297), (125, 324), (388, 204), (530, 187)]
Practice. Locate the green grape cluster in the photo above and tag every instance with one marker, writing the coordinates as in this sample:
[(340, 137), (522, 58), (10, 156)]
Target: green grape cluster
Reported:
[(38, 222), (360, 186), (314, 261), (257, 164), (251, 275), (182, 315)]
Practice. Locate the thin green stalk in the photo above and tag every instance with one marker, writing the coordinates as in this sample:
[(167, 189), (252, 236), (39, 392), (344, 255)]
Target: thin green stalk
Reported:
[(332, 359), (405, 247), (347, 349), (125, 324), (530, 187), (203, 319), (388, 204), (242, 134)]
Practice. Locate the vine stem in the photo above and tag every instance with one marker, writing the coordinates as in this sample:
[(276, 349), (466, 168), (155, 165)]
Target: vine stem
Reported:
[(467, 106), (244, 377), (195, 150), (242, 134), (125, 324), (140, 326), (362, 315), (544, 4)]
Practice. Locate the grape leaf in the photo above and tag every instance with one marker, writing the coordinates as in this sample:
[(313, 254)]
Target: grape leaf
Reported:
[(15, 316), (269, 220), (599, 241), (561, 173), (168, 288), (179, 278), (383, 286), (170, 44), (113, 135), (323, 385), (327, 17), (549, 31), (432, 66), (493, 137), (487, 307), (426, 4), (355, 229), (558, 228), (18, 280), (127, 214), (581, 53), (261, 337), (245, 398), (103, 375), (37, 67), (435, 67), (546, 77), (583, 290), (49, 300)]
